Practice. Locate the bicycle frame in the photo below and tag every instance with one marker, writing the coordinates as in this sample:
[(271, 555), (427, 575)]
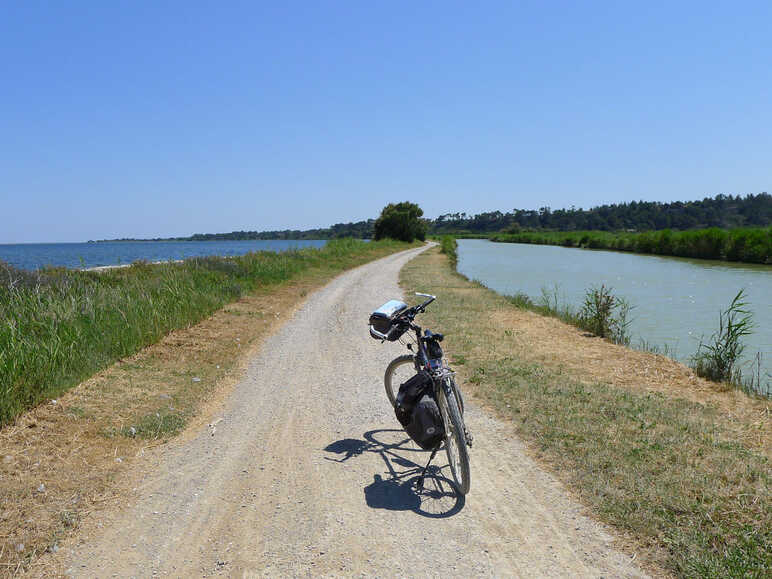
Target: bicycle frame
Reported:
[(438, 371), (430, 358)]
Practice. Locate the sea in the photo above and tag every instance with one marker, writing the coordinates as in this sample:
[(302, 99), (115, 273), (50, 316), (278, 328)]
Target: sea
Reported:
[(33, 256)]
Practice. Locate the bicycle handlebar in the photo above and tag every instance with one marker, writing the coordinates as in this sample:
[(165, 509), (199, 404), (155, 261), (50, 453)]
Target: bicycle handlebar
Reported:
[(427, 302), (411, 313)]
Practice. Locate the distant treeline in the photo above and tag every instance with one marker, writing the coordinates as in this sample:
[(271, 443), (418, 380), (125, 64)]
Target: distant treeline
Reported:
[(724, 211), (751, 245), (358, 230)]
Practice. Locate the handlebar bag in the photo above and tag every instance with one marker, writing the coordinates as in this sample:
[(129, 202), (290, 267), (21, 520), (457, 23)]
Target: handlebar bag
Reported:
[(418, 413), (383, 320)]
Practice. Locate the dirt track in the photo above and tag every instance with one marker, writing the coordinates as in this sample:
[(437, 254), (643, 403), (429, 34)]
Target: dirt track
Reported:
[(306, 473)]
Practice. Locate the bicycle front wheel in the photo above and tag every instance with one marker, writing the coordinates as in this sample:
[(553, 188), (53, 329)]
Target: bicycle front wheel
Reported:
[(455, 438), (397, 373)]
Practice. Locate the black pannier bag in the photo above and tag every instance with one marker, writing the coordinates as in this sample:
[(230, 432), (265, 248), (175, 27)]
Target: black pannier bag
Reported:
[(409, 394), (382, 320), (418, 413), (426, 427)]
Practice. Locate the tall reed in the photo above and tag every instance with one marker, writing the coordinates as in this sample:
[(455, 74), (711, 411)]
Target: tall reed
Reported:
[(718, 358), (747, 244), (59, 326)]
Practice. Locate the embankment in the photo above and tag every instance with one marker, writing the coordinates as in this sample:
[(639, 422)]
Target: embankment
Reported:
[(60, 326), (73, 455), (680, 467)]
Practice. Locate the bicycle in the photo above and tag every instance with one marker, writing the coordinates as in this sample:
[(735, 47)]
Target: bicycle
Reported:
[(394, 319)]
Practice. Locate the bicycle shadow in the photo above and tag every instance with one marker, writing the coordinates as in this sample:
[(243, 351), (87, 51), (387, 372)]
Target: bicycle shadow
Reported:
[(397, 491)]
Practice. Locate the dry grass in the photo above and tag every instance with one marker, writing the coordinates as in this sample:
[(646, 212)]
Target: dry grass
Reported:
[(62, 461), (677, 465), (550, 342)]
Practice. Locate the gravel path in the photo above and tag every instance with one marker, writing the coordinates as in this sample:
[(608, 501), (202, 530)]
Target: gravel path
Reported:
[(307, 473)]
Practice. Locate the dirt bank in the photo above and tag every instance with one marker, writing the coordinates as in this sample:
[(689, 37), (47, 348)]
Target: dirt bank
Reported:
[(678, 464), (68, 459)]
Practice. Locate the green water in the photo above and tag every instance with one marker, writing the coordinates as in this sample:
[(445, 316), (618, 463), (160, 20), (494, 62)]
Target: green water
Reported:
[(676, 301)]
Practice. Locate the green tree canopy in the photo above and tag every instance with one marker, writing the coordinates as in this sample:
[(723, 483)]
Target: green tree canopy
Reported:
[(401, 221)]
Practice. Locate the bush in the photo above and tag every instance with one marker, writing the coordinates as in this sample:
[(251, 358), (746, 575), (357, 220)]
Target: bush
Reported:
[(401, 221), (449, 247), (522, 301), (605, 315)]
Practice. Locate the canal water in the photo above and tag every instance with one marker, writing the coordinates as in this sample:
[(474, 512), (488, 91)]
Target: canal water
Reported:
[(676, 301)]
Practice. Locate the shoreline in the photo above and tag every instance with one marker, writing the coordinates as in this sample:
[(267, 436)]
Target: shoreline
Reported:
[(80, 256), (677, 464), (75, 453), (673, 303), (751, 245), (121, 265)]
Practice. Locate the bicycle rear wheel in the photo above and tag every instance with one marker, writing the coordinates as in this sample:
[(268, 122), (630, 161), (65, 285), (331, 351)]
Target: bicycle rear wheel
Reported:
[(397, 373), (455, 438)]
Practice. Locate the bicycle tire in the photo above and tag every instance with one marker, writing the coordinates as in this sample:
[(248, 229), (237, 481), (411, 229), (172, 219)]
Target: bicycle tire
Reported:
[(459, 396), (391, 370), (455, 439)]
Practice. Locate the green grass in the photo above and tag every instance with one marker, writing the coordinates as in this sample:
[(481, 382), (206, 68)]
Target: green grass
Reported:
[(58, 326), (672, 474), (162, 424), (747, 244), (659, 468), (449, 247), (718, 358)]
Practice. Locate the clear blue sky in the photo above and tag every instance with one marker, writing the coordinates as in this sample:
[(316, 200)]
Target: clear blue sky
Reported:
[(148, 119)]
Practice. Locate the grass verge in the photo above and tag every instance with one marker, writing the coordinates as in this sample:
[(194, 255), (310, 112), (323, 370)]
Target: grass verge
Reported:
[(606, 315), (653, 450), (59, 326), (62, 461)]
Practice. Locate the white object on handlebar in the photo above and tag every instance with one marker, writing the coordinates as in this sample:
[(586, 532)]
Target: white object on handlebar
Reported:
[(376, 334)]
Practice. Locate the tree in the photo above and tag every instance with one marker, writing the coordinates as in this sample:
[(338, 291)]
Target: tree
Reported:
[(401, 221)]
